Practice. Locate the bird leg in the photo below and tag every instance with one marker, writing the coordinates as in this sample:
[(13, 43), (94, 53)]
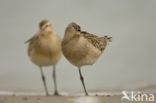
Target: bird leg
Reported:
[(54, 79), (44, 82), (82, 80)]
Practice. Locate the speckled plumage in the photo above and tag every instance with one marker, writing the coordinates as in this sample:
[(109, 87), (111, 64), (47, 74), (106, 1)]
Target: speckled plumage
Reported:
[(99, 42), (82, 48)]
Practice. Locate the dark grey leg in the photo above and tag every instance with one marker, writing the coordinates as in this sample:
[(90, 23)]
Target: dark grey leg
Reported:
[(44, 82), (82, 80), (55, 83)]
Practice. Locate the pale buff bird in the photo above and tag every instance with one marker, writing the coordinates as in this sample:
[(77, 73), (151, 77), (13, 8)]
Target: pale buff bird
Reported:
[(45, 50), (82, 48)]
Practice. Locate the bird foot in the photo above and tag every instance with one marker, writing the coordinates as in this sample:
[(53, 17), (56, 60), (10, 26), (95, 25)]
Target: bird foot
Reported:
[(56, 94)]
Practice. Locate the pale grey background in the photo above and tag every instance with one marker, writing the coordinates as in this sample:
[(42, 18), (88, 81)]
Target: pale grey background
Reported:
[(128, 62)]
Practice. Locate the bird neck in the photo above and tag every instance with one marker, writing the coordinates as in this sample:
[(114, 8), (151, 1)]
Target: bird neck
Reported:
[(69, 34)]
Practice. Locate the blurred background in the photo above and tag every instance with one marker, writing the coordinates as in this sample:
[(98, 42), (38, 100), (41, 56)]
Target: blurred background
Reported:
[(129, 61)]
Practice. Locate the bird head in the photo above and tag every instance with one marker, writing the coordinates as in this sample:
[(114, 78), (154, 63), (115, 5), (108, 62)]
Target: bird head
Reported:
[(73, 27), (71, 30), (45, 26)]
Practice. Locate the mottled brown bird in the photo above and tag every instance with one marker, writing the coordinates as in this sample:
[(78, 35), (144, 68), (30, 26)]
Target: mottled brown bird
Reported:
[(82, 48), (44, 49)]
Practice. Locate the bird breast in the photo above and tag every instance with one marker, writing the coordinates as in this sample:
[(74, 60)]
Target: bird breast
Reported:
[(80, 52), (45, 51)]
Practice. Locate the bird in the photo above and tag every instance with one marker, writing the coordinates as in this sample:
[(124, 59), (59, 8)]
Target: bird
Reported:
[(44, 49), (82, 48)]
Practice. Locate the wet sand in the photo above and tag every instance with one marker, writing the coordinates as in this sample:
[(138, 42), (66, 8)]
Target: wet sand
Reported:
[(65, 99)]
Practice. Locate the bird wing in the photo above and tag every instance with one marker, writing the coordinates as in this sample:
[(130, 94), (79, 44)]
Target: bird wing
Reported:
[(95, 40), (32, 38)]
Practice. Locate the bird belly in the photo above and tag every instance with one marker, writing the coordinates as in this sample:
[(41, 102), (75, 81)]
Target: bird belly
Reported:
[(41, 59), (91, 56), (81, 53), (45, 53)]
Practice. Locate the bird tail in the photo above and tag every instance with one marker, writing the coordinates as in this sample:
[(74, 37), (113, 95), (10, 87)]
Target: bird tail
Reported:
[(107, 38)]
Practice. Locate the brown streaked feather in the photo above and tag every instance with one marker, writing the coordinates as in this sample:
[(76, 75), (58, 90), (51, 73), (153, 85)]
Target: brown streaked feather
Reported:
[(32, 42), (95, 40), (31, 39)]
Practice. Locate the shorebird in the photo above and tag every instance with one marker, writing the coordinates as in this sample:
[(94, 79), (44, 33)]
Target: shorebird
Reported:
[(44, 49), (82, 48)]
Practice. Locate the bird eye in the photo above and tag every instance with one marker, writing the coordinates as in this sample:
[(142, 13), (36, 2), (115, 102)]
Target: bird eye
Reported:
[(76, 27)]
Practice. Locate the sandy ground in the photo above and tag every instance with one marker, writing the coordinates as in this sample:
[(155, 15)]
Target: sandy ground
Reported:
[(65, 99)]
